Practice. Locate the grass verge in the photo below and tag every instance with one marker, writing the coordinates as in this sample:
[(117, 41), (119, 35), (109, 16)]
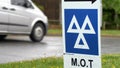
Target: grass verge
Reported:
[(111, 61), (55, 32), (51, 62), (110, 32), (108, 61), (103, 32)]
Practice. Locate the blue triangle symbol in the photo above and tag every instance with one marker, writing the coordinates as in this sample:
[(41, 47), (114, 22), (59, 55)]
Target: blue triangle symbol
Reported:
[(74, 26), (81, 42), (87, 27)]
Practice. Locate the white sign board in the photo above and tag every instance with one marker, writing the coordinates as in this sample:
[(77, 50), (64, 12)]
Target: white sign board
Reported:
[(81, 21)]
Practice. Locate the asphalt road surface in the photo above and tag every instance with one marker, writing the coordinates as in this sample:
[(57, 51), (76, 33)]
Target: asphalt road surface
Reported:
[(17, 48), (110, 45)]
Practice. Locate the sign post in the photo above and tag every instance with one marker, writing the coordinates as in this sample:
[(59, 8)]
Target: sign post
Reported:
[(81, 21)]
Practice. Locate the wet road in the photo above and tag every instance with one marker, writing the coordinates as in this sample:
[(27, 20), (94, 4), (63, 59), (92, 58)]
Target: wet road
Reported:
[(17, 48), (21, 48), (110, 45)]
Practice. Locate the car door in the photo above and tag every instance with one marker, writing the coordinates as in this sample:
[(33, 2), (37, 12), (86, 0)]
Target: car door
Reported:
[(3, 16), (19, 17)]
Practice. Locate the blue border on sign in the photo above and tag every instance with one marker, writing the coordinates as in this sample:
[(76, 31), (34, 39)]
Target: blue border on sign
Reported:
[(92, 39)]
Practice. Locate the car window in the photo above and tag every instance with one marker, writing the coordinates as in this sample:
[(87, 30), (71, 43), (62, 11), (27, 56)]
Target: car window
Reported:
[(23, 3), (18, 2), (29, 5)]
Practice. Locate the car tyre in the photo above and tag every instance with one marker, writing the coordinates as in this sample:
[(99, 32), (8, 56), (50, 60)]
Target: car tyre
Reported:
[(37, 33), (2, 37)]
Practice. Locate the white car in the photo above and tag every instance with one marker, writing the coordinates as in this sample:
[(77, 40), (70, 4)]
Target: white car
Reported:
[(22, 17)]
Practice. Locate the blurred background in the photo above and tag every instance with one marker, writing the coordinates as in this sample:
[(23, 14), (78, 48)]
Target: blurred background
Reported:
[(111, 12), (51, 8)]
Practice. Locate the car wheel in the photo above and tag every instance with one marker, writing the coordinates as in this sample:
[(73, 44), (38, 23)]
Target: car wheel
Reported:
[(2, 37), (37, 33)]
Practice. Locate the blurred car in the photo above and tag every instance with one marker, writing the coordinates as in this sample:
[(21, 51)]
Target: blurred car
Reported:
[(22, 17)]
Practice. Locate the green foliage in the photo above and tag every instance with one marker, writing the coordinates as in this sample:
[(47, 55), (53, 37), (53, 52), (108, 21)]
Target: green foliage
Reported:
[(111, 61), (108, 15), (112, 4), (112, 15), (115, 6), (107, 4)]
